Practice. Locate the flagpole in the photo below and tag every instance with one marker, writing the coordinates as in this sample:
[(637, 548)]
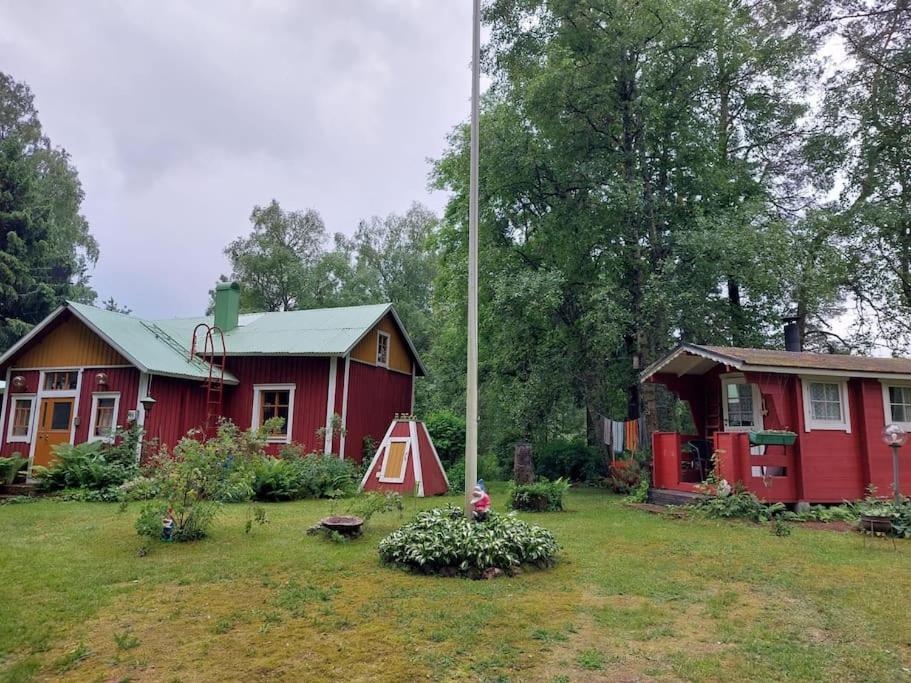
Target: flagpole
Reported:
[(471, 397)]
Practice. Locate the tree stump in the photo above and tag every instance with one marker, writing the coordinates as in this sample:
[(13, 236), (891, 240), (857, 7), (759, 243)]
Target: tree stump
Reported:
[(523, 465)]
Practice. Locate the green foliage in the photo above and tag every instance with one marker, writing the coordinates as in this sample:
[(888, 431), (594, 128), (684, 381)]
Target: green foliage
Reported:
[(899, 513), (295, 475), (447, 431), (442, 540), (97, 467), (373, 502), (11, 466), (198, 477), (572, 460), (542, 496), (625, 475), (738, 504), (489, 469), (45, 245), (639, 493), (456, 476)]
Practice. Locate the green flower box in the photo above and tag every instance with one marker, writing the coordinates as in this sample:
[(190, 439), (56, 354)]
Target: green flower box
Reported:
[(772, 438)]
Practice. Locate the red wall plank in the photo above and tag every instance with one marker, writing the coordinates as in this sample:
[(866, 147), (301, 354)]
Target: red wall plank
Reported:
[(310, 375), (122, 380), (375, 395)]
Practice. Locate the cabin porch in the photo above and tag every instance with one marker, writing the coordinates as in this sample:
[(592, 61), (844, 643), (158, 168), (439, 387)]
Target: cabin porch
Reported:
[(725, 406)]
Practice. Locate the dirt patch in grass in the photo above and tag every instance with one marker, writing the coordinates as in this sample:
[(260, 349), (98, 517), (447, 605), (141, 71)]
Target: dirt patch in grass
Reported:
[(282, 628)]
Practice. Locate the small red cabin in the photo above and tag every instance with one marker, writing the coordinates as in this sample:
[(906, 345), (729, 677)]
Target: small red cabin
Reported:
[(836, 404), (336, 375)]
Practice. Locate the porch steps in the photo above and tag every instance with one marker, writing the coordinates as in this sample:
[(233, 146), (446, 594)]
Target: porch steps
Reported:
[(14, 490), (671, 497)]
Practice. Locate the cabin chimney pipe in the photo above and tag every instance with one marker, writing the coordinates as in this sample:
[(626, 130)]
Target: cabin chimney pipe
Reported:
[(227, 305), (792, 340)]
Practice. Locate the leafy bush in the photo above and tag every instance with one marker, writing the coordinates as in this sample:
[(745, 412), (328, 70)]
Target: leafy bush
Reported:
[(456, 476), (738, 504), (198, 477), (900, 512), (10, 467), (488, 469), (573, 460), (542, 496), (447, 431), (295, 475), (373, 502), (94, 466), (625, 475), (443, 541), (639, 493)]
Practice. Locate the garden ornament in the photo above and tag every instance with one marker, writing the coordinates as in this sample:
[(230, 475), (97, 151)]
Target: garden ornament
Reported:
[(480, 503), (167, 526)]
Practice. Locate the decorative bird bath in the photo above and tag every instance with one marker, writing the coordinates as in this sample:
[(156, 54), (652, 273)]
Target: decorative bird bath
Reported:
[(346, 525)]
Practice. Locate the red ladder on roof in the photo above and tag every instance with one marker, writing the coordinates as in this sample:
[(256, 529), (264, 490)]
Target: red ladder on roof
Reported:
[(215, 359)]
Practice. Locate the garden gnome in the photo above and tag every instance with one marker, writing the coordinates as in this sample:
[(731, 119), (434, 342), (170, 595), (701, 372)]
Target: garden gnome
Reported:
[(167, 525), (480, 503)]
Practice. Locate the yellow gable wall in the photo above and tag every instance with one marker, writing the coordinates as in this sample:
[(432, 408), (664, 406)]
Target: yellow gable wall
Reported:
[(399, 356), (69, 344)]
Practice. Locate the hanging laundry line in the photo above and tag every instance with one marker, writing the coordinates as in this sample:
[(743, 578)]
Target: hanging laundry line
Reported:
[(623, 435)]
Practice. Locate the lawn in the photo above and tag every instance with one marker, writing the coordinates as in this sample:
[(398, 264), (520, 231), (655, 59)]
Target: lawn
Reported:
[(636, 597)]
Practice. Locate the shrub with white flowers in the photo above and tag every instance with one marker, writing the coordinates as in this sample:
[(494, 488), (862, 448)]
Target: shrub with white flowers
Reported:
[(443, 541)]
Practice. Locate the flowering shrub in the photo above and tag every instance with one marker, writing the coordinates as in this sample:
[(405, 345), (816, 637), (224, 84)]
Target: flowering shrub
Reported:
[(624, 475), (443, 541), (194, 480)]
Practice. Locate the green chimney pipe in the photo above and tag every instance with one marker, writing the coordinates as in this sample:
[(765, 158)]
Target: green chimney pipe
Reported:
[(227, 305)]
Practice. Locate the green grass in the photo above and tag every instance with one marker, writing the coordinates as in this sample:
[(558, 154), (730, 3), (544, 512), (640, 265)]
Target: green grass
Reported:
[(635, 597)]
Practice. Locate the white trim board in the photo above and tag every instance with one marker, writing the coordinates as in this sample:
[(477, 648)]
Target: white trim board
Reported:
[(376, 455), (887, 403), (254, 419), (381, 475), (30, 428), (341, 441), (93, 415), (813, 424), (330, 405)]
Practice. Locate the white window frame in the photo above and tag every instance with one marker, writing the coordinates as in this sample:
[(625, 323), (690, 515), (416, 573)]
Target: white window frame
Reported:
[(396, 480), (887, 403), (258, 390), (93, 416), (380, 334), (810, 423), (31, 398)]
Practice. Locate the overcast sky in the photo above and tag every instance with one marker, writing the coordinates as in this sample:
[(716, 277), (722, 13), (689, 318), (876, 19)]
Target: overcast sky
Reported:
[(182, 116)]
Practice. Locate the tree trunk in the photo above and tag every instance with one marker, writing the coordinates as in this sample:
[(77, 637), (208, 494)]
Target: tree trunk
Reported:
[(523, 465)]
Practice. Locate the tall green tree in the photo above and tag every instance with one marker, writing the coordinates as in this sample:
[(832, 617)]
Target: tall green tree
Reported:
[(277, 260), (46, 248), (867, 143), (641, 182)]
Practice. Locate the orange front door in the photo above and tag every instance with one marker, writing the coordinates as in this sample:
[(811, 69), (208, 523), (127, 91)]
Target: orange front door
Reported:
[(54, 422)]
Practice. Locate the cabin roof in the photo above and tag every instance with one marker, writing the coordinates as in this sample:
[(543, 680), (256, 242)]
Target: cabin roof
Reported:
[(162, 346), (696, 359)]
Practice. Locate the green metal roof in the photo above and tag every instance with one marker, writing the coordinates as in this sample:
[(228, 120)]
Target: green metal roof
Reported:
[(163, 346), (313, 332), (144, 343)]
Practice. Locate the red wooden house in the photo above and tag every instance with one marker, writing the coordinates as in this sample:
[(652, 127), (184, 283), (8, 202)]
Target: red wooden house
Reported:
[(836, 404), (82, 371)]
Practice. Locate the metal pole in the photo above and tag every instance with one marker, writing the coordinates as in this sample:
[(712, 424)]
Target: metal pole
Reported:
[(895, 493), (471, 397)]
